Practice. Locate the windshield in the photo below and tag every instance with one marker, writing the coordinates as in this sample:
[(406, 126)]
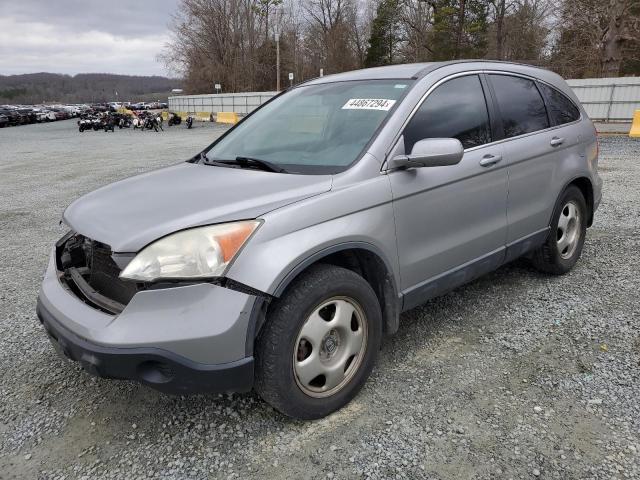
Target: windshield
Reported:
[(314, 128)]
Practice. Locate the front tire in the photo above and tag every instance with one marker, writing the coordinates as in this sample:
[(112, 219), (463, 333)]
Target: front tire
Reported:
[(319, 343), (563, 247)]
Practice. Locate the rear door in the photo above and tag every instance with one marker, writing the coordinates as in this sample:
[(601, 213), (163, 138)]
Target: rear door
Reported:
[(530, 150), (450, 221)]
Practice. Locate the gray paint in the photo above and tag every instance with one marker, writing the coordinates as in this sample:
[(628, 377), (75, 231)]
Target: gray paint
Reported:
[(204, 323), (430, 152), (434, 227), (135, 211)]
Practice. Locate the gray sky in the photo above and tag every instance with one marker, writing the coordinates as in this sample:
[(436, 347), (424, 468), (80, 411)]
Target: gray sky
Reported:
[(80, 36)]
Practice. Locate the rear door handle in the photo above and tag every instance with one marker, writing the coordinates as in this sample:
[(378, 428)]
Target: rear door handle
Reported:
[(556, 141), (489, 160)]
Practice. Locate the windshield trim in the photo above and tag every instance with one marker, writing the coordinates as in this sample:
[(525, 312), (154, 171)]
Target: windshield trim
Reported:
[(298, 169)]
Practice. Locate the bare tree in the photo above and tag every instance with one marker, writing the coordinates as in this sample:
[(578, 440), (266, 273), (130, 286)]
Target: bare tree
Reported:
[(623, 27), (231, 41), (417, 18), (525, 31), (593, 35), (329, 24), (500, 10)]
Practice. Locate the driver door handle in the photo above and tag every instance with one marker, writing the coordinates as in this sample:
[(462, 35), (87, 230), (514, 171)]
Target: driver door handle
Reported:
[(556, 141), (489, 160)]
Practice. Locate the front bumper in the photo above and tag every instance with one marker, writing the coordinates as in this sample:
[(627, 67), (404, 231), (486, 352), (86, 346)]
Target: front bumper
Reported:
[(180, 339), (160, 369)]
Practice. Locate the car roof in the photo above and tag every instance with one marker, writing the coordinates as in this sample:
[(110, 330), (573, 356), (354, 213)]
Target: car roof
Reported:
[(419, 70)]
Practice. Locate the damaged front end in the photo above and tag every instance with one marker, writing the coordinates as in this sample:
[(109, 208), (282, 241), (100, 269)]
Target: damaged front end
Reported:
[(88, 269)]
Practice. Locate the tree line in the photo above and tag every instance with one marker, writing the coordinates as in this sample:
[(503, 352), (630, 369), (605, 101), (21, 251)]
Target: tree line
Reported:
[(83, 88), (233, 42)]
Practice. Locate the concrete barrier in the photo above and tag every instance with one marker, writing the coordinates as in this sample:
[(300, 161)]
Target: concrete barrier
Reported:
[(227, 117), (635, 126)]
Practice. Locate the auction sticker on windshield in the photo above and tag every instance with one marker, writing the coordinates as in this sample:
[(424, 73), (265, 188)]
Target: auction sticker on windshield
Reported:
[(368, 104)]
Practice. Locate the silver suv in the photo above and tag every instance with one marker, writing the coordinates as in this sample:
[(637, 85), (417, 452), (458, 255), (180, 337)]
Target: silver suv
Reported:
[(279, 256)]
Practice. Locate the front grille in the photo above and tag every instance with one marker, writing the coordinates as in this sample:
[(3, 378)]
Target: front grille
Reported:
[(89, 270), (104, 275)]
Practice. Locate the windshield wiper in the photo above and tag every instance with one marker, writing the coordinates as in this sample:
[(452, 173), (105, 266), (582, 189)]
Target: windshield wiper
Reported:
[(257, 162), (244, 162)]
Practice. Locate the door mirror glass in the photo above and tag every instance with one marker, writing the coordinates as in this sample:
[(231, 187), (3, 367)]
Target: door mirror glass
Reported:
[(430, 152)]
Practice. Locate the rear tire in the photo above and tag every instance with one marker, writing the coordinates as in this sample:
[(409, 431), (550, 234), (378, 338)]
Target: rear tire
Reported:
[(563, 247), (319, 343)]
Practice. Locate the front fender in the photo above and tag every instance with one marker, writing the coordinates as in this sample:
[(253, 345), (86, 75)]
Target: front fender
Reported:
[(359, 214)]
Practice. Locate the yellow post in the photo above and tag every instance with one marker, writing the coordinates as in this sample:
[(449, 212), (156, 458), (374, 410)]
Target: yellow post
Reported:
[(635, 126)]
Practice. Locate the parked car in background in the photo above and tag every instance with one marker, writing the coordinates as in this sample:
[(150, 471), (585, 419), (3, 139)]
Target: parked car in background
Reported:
[(4, 120), (11, 114), (279, 256), (27, 116), (99, 107), (46, 115), (60, 114)]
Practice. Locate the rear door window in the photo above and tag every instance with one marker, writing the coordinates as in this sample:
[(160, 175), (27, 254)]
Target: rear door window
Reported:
[(521, 106), (455, 109), (561, 109)]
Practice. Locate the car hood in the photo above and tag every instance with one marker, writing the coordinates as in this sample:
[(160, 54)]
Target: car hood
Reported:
[(130, 214)]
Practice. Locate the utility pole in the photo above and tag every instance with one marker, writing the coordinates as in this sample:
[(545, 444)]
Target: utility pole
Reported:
[(277, 61), (277, 23)]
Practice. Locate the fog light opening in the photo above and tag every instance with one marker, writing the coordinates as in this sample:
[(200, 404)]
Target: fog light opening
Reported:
[(155, 372)]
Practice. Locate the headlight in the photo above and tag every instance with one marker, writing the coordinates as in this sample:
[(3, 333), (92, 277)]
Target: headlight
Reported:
[(195, 253)]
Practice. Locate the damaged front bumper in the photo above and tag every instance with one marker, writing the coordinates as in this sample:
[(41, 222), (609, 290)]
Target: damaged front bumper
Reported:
[(180, 339)]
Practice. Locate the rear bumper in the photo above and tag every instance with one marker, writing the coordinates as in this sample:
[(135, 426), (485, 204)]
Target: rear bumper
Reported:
[(597, 193), (158, 368)]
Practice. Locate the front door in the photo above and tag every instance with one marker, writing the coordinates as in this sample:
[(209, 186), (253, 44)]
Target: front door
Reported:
[(450, 221)]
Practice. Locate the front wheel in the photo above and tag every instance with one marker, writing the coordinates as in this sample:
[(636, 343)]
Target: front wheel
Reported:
[(319, 343), (563, 247)]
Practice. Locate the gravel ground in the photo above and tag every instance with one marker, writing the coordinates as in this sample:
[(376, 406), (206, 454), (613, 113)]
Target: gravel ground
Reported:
[(517, 375)]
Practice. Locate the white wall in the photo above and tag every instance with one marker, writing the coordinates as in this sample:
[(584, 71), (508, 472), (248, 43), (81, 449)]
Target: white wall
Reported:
[(241, 103), (612, 99)]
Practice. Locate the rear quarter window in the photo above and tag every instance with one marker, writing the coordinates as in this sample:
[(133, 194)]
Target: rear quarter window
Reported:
[(561, 109)]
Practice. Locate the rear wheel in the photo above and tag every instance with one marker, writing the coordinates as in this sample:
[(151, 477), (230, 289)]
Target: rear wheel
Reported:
[(564, 245), (319, 343)]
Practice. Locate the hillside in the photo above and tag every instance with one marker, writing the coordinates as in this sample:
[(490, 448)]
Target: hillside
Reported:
[(84, 87)]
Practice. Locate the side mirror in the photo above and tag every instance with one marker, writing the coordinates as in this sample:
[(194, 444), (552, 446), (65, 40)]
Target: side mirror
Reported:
[(430, 152)]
